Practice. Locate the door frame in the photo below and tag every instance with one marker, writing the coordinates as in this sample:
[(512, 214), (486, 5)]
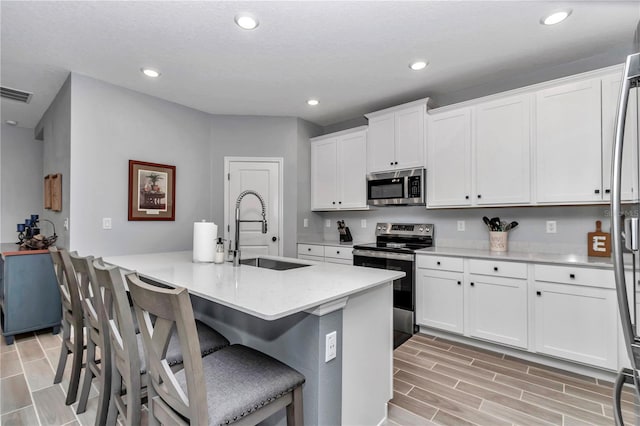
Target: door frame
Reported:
[(280, 162)]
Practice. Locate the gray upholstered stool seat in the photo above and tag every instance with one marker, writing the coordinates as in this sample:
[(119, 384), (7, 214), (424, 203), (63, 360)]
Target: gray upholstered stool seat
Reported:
[(241, 380), (210, 341)]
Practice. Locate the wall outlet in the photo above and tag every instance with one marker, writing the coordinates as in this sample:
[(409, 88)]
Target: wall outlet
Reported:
[(331, 346), (327, 223), (305, 222), (461, 225), (551, 227), (106, 223), (363, 223)]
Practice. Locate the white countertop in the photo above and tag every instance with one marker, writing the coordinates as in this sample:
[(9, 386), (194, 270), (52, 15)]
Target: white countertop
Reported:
[(562, 259), (261, 292)]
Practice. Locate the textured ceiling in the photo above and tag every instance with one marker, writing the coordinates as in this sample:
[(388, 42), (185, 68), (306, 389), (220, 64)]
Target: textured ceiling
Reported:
[(352, 56)]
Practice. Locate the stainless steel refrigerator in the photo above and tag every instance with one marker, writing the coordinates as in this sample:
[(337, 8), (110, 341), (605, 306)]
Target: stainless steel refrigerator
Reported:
[(625, 229)]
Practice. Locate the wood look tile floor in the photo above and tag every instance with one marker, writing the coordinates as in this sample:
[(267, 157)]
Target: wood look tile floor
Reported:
[(436, 381)]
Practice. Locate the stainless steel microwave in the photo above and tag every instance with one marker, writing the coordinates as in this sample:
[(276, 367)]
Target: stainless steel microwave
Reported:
[(404, 187)]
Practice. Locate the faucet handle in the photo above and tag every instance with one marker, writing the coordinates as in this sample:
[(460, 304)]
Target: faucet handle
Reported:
[(264, 226)]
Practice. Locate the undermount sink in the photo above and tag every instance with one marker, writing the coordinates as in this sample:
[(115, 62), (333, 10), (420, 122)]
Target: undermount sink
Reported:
[(277, 265)]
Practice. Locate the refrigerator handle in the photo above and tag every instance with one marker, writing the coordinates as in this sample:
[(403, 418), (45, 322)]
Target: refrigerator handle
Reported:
[(631, 72)]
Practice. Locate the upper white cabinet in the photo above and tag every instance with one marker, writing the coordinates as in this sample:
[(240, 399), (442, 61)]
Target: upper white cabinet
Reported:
[(501, 148), (449, 159), (610, 94), (568, 143), (338, 170), (396, 137), (480, 155)]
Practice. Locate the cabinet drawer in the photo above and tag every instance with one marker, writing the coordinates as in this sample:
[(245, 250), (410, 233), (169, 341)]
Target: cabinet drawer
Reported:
[(440, 262), (311, 250), (574, 275), (338, 252), (498, 269)]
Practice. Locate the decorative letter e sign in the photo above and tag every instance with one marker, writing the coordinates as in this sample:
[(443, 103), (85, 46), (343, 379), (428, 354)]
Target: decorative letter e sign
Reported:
[(598, 242)]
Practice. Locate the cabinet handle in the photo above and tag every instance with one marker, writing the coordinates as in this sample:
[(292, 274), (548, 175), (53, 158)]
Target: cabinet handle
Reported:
[(538, 293), (479, 196), (438, 263), (459, 282), (333, 202), (338, 252), (607, 191), (339, 202), (466, 197), (495, 268), (572, 276), (597, 191), (309, 249), (396, 163), (472, 284), (391, 163)]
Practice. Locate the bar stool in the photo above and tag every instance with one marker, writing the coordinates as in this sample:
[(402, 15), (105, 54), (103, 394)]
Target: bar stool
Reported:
[(72, 319), (129, 378), (97, 337), (234, 384)]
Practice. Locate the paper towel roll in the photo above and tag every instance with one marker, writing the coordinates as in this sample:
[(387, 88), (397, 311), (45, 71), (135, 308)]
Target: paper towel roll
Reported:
[(205, 235)]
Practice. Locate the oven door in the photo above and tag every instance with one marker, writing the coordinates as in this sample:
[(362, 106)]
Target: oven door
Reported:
[(382, 191)]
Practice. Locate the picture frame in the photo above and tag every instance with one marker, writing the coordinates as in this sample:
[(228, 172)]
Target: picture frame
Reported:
[(152, 193), (56, 192)]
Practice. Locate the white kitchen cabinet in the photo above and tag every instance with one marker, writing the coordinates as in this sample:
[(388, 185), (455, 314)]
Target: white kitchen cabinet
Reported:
[(610, 94), (449, 158), (338, 171), (577, 321), (568, 143), (501, 149), (396, 137), (439, 295), (311, 252), (497, 302), (326, 253)]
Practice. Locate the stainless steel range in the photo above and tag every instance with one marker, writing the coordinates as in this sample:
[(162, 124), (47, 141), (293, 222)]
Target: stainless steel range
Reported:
[(394, 249)]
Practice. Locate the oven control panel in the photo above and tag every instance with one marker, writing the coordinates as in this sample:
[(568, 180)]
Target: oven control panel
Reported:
[(408, 229)]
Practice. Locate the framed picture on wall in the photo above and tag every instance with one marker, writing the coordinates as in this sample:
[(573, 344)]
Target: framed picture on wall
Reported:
[(152, 191)]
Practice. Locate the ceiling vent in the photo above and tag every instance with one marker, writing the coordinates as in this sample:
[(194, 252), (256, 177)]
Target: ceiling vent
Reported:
[(15, 95)]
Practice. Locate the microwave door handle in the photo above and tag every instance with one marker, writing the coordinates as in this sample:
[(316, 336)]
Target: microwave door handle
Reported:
[(405, 181)]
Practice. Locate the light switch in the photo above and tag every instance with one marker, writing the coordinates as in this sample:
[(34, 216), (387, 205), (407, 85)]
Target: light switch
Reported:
[(106, 223), (363, 223), (305, 222), (327, 223)]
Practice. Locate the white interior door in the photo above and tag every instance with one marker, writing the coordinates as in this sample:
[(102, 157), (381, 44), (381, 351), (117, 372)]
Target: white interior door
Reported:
[(263, 176)]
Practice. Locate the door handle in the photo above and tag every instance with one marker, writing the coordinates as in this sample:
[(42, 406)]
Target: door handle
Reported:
[(274, 239)]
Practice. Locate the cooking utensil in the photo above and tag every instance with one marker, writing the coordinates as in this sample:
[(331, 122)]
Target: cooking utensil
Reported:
[(513, 225), (487, 222), (495, 223)]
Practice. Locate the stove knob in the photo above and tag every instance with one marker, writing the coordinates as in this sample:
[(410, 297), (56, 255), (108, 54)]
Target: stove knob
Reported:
[(420, 229)]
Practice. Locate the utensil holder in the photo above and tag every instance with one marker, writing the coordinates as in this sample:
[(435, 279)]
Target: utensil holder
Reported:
[(498, 241)]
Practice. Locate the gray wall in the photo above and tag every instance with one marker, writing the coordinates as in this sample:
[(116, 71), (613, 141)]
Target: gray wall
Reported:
[(573, 224), (111, 125), (55, 129), (21, 180)]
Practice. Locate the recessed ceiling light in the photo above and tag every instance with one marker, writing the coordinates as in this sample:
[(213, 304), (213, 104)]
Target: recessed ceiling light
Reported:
[(313, 102), (418, 65), (246, 22), (12, 122), (150, 72), (556, 17)]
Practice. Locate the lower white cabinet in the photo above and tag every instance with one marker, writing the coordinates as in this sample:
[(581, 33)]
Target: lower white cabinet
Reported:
[(439, 298), (577, 322), (329, 254), (497, 309)]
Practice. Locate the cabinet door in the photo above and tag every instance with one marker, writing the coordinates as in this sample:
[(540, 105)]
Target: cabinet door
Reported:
[(380, 143), (576, 323), (439, 300), (449, 159), (497, 309), (610, 94), (324, 172), (568, 148), (501, 151), (352, 171), (410, 142)]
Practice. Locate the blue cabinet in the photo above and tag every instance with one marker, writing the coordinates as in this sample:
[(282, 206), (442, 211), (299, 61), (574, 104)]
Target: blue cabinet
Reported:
[(29, 295)]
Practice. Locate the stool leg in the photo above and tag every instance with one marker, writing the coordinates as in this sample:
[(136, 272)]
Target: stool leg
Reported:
[(76, 367), (295, 416), (88, 377), (64, 352), (114, 393)]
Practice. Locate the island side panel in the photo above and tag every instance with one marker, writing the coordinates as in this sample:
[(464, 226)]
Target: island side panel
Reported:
[(367, 383), (297, 340)]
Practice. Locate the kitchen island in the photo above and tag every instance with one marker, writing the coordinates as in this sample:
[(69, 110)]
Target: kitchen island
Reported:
[(288, 314)]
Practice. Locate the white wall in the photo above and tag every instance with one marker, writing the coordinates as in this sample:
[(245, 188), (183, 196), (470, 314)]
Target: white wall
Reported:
[(573, 224), (21, 179), (54, 129), (111, 125)]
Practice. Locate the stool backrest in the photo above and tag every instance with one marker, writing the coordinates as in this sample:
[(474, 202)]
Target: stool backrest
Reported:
[(67, 283), (115, 306), (172, 308), (89, 293)]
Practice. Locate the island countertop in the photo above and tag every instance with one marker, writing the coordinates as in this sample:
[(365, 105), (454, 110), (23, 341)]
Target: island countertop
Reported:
[(261, 292)]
